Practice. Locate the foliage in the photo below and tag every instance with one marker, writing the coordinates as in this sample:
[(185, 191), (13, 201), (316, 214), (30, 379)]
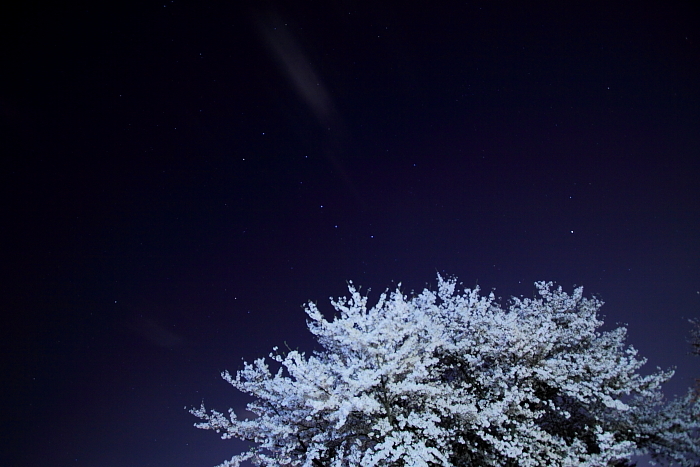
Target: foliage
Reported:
[(444, 378)]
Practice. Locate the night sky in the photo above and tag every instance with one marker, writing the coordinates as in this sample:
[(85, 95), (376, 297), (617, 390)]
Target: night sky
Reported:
[(180, 178)]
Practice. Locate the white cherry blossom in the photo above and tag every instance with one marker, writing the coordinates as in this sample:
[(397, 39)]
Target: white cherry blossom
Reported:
[(455, 379)]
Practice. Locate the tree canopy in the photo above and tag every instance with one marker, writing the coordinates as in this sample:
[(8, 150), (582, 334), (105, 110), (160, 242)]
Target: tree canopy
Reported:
[(445, 378)]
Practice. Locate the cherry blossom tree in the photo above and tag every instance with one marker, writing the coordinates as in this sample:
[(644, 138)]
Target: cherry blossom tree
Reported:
[(455, 379)]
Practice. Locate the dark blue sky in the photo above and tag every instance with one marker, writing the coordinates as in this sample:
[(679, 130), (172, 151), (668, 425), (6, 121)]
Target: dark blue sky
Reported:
[(179, 178)]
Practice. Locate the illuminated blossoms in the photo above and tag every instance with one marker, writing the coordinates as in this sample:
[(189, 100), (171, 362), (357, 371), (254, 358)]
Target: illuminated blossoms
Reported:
[(455, 379)]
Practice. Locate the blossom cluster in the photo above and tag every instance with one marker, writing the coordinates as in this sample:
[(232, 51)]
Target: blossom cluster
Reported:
[(456, 379)]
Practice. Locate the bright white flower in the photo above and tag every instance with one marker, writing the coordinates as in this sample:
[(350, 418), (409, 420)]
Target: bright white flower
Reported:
[(445, 379)]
